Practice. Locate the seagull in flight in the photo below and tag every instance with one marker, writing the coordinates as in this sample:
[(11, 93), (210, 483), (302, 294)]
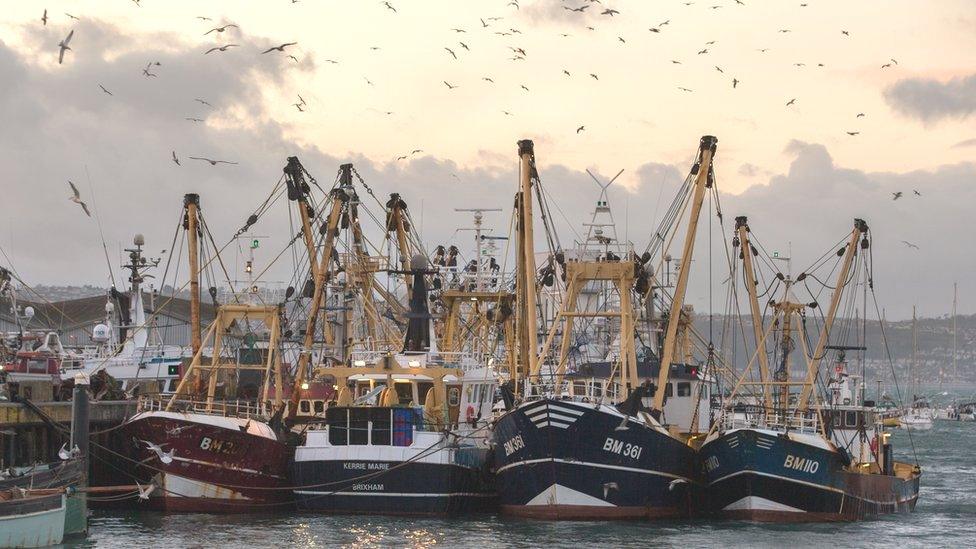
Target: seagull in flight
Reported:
[(202, 102), (175, 159), (387, 4), (853, 133), (595, 77), (71, 16), (704, 51), (524, 88), (896, 196), (104, 90), (735, 82), (76, 198), (146, 72), (916, 192), (580, 9), (790, 102), (190, 119), (64, 46), (221, 29), (449, 85), (685, 89), (909, 244), (221, 48), (280, 48), (459, 30), (165, 457), (859, 115), (450, 51), (44, 18), (581, 128), (486, 79), (212, 162), (845, 33), (610, 12)]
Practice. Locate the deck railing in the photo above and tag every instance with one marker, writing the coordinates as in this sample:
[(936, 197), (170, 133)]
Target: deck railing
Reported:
[(226, 408)]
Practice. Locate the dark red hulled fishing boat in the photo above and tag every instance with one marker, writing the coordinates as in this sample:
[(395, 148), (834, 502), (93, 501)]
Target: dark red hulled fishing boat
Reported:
[(224, 460)]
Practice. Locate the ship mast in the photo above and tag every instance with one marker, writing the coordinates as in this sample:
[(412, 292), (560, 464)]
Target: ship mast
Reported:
[(914, 373), (703, 170), (849, 252), (191, 203), (339, 200), (526, 267), (955, 373), (747, 252)]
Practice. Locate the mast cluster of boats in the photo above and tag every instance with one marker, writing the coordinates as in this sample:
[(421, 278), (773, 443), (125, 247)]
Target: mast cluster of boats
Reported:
[(572, 385)]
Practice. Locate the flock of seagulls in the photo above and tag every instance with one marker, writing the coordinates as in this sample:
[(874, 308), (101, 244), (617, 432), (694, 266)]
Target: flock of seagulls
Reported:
[(490, 24)]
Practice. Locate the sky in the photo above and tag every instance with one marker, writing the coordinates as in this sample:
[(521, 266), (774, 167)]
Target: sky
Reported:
[(373, 84)]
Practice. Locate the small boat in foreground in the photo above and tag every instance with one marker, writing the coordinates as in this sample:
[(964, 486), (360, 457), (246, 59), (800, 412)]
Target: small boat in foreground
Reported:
[(28, 520)]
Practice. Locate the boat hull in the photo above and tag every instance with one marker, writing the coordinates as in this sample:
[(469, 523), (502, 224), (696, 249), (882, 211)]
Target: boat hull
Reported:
[(561, 460), (214, 469), (357, 486), (36, 521), (765, 477)]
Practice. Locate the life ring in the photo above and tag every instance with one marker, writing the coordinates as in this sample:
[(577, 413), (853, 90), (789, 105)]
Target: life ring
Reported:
[(470, 415)]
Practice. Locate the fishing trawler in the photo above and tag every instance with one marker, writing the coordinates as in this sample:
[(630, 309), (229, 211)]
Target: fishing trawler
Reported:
[(30, 361), (576, 445), (208, 447), (122, 342), (792, 458), (408, 433), (224, 441)]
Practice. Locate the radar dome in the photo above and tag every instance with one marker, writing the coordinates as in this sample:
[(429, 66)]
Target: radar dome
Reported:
[(29, 312), (139, 240), (100, 334), (418, 262)]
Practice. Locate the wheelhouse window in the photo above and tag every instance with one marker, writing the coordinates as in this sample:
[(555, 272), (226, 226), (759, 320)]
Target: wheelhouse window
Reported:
[(381, 426), (579, 388), (850, 419), (669, 390), (422, 388), (318, 406), (359, 426), (338, 421), (404, 391), (684, 389)]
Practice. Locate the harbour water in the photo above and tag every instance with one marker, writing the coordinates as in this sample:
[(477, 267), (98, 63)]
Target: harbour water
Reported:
[(945, 517)]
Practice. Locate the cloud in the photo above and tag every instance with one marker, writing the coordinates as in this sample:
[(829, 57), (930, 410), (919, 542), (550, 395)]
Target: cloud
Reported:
[(58, 125), (749, 170), (965, 143), (556, 11), (931, 100)]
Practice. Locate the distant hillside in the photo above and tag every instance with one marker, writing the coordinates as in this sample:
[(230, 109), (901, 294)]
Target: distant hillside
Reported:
[(934, 348)]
